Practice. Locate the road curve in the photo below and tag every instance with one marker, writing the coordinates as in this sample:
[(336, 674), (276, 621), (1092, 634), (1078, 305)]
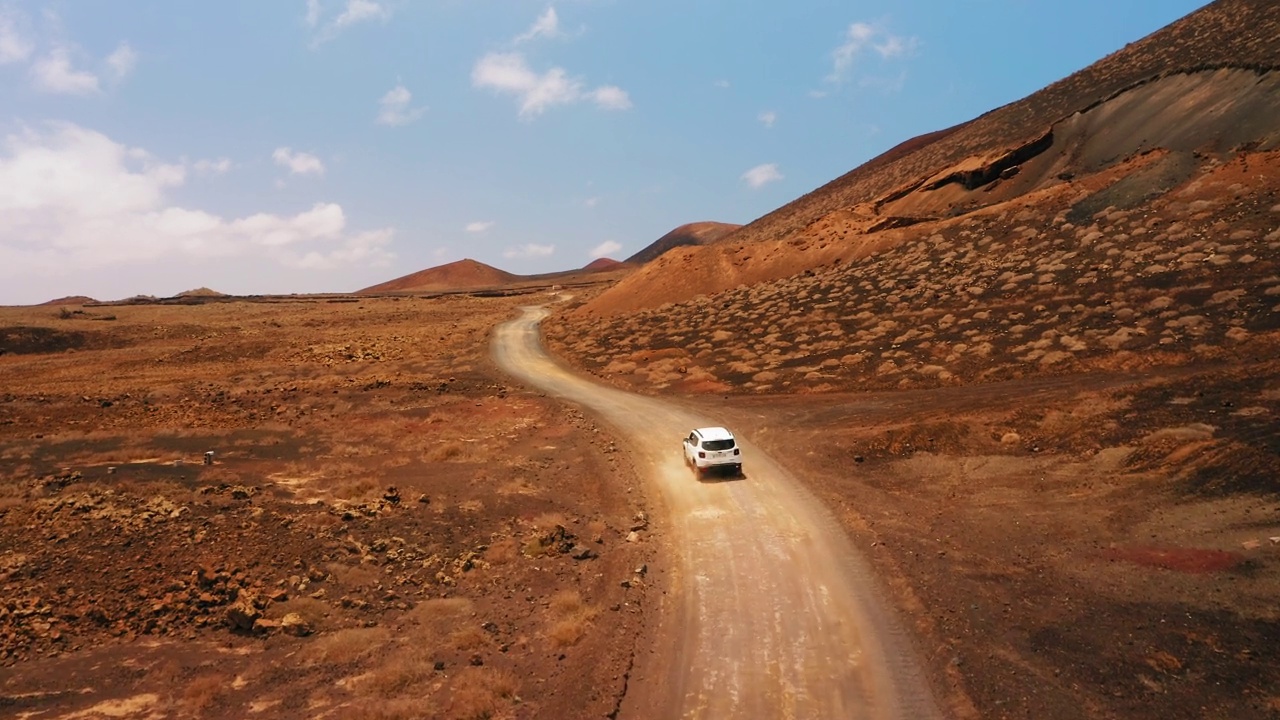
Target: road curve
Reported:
[(775, 615)]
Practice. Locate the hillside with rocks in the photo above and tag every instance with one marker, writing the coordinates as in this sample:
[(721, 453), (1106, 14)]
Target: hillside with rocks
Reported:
[(689, 235), (997, 294), (1119, 133), (1032, 363)]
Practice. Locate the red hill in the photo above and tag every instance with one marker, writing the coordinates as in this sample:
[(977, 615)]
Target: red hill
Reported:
[(602, 265), (699, 233), (460, 275)]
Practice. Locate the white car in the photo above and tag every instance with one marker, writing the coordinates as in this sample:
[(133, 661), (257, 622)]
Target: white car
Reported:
[(712, 447)]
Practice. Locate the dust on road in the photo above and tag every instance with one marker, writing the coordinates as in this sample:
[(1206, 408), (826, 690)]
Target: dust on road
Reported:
[(772, 612)]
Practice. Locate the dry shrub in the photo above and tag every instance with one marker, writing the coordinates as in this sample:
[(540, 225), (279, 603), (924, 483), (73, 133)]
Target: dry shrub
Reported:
[(596, 529), (442, 622), (567, 602), (345, 646), (438, 609), (203, 691), (502, 551), (572, 616), (568, 631), (548, 521), (405, 670), (14, 491), (446, 452), (482, 693), (360, 489), (468, 638)]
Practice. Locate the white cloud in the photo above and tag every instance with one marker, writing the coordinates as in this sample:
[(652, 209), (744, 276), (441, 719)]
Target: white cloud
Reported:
[(480, 226), (313, 13), (722, 84), (354, 12), (508, 73), (221, 166), (298, 163), (894, 46), (547, 25), (122, 61), (768, 118), (530, 250), (394, 107), (591, 202), (74, 201), (761, 175), (53, 73), (605, 249), (360, 11), (611, 97), (861, 36), (14, 45)]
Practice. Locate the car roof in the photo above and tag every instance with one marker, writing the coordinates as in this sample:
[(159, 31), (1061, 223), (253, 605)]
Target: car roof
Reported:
[(714, 433)]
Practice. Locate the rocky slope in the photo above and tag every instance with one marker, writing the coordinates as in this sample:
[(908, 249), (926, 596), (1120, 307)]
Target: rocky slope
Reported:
[(1122, 132), (692, 234)]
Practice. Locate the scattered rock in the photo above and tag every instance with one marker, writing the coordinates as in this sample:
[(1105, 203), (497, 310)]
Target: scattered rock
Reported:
[(242, 615), (295, 625)]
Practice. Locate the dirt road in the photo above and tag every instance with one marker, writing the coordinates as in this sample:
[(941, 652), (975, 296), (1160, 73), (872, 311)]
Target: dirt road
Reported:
[(774, 614)]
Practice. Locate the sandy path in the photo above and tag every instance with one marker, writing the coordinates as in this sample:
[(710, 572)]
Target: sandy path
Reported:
[(775, 614)]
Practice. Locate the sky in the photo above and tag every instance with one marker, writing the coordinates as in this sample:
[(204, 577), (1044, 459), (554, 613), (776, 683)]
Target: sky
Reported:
[(291, 146)]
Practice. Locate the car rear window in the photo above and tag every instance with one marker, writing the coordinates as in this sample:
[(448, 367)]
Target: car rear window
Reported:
[(717, 444)]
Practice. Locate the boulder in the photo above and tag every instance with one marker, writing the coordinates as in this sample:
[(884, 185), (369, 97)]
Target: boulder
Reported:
[(294, 624)]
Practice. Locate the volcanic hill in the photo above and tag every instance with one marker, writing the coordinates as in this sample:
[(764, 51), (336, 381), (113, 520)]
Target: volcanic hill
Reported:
[(692, 234), (602, 265), (1128, 129), (461, 275)]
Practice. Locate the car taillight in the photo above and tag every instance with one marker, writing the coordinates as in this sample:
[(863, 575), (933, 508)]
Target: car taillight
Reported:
[(701, 454), (736, 451)]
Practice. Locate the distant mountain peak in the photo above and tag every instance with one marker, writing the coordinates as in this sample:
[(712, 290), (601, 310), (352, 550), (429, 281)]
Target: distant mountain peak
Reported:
[(465, 274)]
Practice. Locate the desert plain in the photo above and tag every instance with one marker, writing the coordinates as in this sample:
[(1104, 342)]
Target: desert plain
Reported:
[(1027, 368)]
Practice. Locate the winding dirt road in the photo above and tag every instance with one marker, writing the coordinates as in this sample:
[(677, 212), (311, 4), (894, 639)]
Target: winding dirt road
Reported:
[(774, 614)]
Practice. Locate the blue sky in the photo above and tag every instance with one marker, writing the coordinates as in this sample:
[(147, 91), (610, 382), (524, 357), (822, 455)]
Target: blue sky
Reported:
[(155, 146)]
